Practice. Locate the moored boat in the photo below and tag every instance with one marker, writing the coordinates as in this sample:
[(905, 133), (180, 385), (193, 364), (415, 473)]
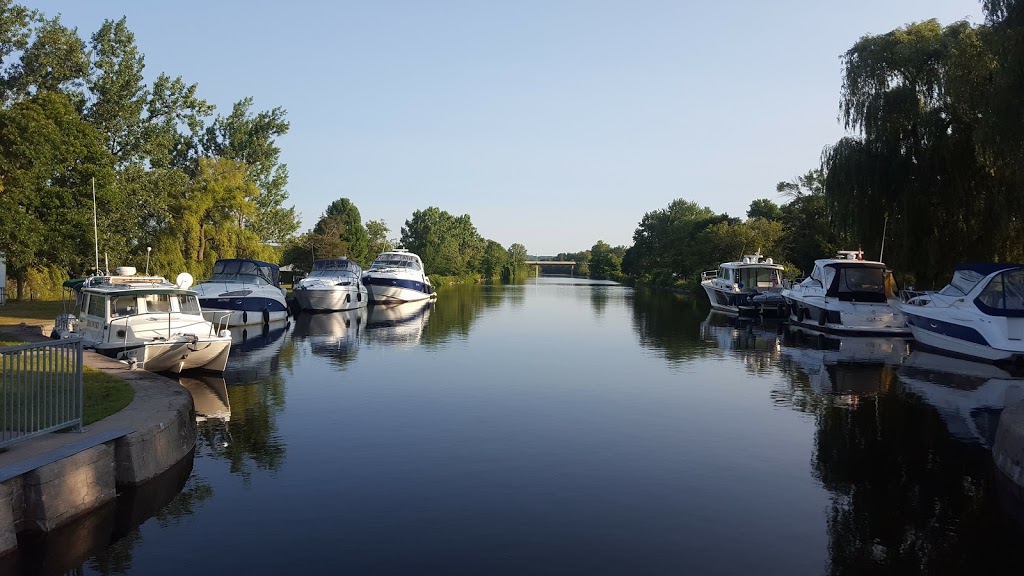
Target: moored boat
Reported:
[(847, 295), (143, 320), (242, 292), (397, 276), (735, 285), (334, 284), (979, 314)]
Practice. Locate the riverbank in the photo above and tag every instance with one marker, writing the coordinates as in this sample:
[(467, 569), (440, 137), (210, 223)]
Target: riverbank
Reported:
[(50, 481)]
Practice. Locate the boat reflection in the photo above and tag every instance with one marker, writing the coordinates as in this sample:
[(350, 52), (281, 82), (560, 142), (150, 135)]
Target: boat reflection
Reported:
[(400, 324), (255, 351), (333, 335), (969, 396), (755, 341), (845, 368), (210, 396)]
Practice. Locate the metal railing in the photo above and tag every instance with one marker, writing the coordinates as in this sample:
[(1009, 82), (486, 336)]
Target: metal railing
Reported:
[(3, 294), (40, 389)]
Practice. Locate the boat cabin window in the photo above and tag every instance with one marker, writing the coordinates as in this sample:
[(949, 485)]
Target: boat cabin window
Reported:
[(859, 283), (334, 268), (749, 278), (396, 261), (1004, 295), (189, 305), (158, 303), (97, 306), (124, 305), (245, 271)]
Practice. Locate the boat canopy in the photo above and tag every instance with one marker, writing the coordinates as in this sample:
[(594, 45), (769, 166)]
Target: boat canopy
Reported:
[(336, 265), (249, 271), (857, 280), (1004, 294), (397, 260)]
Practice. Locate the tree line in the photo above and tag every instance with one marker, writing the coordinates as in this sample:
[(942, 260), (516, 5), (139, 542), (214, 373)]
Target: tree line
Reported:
[(169, 173), (933, 167)]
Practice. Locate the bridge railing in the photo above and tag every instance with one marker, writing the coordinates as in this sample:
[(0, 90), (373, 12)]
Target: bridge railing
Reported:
[(40, 389)]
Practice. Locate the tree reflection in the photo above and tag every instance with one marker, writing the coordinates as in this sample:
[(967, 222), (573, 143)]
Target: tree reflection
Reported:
[(667, 323), (458, 307)]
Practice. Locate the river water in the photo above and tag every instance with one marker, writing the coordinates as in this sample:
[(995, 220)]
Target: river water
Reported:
[(569, 427)]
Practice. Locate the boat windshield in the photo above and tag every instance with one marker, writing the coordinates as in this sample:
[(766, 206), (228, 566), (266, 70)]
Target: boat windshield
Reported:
[(334, 268), (859, 283), (395, 261), (244, 271), (963, 282), (1004, 294)]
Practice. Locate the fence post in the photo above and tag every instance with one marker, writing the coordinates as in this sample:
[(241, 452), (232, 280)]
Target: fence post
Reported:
[(79, 358)]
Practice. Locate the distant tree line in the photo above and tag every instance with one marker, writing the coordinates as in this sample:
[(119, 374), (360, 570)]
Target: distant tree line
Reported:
[(934, 167), (168, 173)]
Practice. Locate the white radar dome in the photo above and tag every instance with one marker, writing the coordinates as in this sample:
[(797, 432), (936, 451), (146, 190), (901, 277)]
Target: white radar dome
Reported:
[(183, 281), (125, 271)]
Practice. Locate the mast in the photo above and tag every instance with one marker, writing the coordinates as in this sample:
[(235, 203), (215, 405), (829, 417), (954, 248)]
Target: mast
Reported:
[(884, 226), (95, 228)]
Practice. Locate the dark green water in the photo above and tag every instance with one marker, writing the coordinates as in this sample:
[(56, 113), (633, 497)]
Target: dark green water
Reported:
[(563, 427)]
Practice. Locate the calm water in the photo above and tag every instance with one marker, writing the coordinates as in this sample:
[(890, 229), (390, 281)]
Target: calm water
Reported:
[(569, 428)]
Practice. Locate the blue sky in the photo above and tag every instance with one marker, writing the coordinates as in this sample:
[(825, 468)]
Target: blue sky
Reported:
[(552, 123)]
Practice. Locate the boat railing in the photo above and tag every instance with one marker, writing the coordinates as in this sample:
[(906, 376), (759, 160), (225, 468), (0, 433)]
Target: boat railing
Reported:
[(909, 296), (708, 275)]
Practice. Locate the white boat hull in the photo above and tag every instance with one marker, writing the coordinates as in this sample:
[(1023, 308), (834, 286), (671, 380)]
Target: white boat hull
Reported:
[(176, 356), (960, 347), (330, 300), (381, 294)]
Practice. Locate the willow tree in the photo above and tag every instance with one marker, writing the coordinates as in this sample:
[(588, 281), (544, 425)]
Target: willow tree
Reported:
[(914, 168)]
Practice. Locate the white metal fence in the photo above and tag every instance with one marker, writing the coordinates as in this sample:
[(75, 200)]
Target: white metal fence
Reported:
[(40, 389)]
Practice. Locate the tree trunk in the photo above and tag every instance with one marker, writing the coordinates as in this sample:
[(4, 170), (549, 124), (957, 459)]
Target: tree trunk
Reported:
[(21, 286), (202, 242)]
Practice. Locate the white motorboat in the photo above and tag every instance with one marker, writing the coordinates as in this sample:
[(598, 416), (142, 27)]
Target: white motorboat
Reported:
[(243, 292), (145, 321), (847, 295), (734, 285), (979, 314), (335, 284), (397, 276)]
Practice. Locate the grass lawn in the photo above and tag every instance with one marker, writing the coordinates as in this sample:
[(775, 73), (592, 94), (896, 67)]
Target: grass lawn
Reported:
[(14, 312), (104, 395)]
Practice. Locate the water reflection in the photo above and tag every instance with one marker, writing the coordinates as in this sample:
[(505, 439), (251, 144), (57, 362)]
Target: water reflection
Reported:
[(969, 396), (844, 368), (110, 534), (255, 351), (665, 323), (400, 324), (333, 335), (755, 341), (209, 395)]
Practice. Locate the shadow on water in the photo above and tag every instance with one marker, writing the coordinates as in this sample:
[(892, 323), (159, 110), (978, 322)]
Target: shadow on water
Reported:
[(104, 539), (666, 323)]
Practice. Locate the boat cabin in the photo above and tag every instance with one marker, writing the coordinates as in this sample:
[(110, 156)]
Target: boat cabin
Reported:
[(397, 259), (335, 267), (753, 273), (246, 272), (100, 300), (1002, 294), (852, 280)]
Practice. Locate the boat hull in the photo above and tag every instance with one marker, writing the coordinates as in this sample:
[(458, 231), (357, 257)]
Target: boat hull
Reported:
[(855, 319), (389, 290), (330, 300), (177, 355), (952, 342)]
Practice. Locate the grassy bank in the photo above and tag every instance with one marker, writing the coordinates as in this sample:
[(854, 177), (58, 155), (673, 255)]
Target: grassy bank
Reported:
[(32, 312), (103, 395)]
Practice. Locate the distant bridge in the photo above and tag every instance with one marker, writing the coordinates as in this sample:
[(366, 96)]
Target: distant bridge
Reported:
[(539, 263)]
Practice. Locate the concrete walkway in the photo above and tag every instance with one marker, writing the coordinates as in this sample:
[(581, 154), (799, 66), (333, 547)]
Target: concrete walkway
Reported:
[(48, 481)]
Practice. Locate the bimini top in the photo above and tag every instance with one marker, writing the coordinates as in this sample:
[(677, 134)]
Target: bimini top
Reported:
[(246, 271), (852, 280), (333, 266)]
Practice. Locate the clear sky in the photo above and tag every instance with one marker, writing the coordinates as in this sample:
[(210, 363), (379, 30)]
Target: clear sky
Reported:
[(552, 123)]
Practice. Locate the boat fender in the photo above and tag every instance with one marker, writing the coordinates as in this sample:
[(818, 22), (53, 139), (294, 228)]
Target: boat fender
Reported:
[(822, 318), (266, 316), (348, 298), (245, 317)]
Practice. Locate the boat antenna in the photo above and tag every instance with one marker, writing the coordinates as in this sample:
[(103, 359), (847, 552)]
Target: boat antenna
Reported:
[(148, 250), (106, 264), (881, 253), (95, 228)]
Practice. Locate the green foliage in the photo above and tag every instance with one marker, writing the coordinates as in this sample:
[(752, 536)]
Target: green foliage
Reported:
[(342, 223), (515, 264), (764, 208), (605, 261), (494, 259), (377, 240), (449, 245)]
